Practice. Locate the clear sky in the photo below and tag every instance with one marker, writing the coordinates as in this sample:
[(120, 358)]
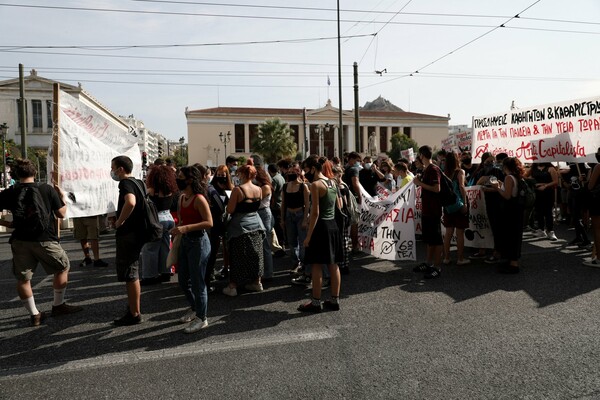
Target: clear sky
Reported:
[(269, 53)]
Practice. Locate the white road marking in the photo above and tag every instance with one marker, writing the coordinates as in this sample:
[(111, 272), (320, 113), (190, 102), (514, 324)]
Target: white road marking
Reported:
[(135, 357)]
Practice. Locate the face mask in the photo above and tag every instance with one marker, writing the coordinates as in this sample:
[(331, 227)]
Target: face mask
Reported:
[(310, 176), (368, 165), (181, 183), (220, 179), (292, 177), (357, 164), (114, 176), (233, 169)]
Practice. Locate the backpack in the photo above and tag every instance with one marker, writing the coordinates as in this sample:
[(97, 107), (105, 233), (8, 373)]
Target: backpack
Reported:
[(526, 194), (458, 204), (447, 195), (152, 229), (30, 216), (352, 210)]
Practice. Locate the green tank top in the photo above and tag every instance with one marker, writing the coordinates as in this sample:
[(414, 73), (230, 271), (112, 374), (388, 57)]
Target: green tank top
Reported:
[(327, 201)]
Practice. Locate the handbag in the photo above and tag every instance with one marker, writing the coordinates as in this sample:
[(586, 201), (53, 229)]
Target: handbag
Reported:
[(173, 256)]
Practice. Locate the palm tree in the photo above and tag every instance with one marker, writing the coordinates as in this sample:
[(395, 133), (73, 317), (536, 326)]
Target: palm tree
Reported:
[(274, 141)]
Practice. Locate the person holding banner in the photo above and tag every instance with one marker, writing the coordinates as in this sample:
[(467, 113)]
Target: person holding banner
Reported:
[(323, 243), (512, 221), (431, 229)]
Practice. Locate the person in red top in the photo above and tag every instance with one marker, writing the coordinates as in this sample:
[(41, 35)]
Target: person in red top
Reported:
[(429, 181), (194, 220)]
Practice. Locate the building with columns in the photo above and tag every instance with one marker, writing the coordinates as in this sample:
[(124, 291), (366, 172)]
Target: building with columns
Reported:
[(315, 130)]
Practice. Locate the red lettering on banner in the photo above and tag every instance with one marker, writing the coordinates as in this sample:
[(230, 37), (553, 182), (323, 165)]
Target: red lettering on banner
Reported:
[(562, 148), (563, 127), (589, 124)]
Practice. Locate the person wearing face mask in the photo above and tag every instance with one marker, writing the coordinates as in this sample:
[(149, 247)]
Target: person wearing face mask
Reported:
[(232, 164), (466, 164), (294, 215), (389, 182), (195, 220), (220, 184), (129, 219), (369, 176), (351, 179)]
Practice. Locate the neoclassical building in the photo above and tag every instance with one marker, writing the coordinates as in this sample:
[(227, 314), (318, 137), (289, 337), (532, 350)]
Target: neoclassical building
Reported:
[(315, 130)]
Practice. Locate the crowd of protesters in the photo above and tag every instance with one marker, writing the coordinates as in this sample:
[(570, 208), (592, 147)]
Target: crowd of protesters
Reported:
[(251, 213)]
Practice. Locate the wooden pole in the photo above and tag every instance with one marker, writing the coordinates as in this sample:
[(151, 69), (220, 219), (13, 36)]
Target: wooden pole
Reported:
[(56, 141)]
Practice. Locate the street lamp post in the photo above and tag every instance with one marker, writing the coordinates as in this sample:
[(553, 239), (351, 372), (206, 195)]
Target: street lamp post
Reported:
[(225, 139), (4, 131), (319, 132), (181, 142), (217, 151)]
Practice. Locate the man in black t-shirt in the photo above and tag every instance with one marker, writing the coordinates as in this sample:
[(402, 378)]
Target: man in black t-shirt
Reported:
[(130, 217), (29, 247), (350, 178)]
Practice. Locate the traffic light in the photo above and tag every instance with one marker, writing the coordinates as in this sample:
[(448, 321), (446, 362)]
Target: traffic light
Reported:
[(144, 158), (9, 159)]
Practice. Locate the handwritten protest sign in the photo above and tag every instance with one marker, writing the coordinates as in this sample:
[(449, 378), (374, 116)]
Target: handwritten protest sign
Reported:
[(88, 142), (386, 228), (567, 131)]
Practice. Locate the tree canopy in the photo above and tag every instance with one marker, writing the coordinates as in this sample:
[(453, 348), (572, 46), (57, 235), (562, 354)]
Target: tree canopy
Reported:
[(274, 141), (401, 142)]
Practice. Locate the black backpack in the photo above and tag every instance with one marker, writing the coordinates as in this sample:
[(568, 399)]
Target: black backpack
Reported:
[(447, 195), (152, 229), (30, 216)]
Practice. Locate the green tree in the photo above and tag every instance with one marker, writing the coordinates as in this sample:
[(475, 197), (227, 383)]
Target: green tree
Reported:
[(274, 141), (401, 142)]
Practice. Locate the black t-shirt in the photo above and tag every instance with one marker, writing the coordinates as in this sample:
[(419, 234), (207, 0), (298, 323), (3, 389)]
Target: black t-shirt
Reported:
[(8, 201), (368, 179), (349, 173), (135, 222)]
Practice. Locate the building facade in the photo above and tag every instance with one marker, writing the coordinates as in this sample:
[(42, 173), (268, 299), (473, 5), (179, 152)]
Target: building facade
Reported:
[(314, 130)]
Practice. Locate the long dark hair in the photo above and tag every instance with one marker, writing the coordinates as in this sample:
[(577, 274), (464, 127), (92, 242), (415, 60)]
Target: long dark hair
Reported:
[(514, 166), (196, 174), (262, 178), (451, 164)]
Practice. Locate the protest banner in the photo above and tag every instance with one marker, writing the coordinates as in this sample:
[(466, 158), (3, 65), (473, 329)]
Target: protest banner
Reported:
[(567, 131), (88, 143), (386, 228), (479, 233), (409, 154)]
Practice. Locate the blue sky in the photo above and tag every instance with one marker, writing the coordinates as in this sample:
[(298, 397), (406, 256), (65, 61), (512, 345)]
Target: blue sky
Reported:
[(468, 65)]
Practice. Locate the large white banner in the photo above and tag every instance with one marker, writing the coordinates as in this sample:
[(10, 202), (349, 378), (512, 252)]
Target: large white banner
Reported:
[(567, 131), (88, 143), (387, 226)]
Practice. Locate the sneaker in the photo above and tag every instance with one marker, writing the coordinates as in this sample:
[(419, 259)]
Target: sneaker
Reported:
[(254, 287), (310, 307), (188, 317), (210, 289), (423, 267), (492, 260), (331, 306), (100, 263), (585, 244), (592, 263), (540, 233), (196, 325), (551, 236), (303, 280), (477, 256), (128, 320), (464, 261), (37, 319), (64, 309), (86, 261), (432, 273), (230, 291)]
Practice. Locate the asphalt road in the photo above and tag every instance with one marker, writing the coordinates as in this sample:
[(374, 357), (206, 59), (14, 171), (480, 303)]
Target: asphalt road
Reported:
[(472, 334)]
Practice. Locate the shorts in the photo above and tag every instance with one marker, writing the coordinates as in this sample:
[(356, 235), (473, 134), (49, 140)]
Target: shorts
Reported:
[(27, 255), (431, 229), (85, 228), (128, 249)]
